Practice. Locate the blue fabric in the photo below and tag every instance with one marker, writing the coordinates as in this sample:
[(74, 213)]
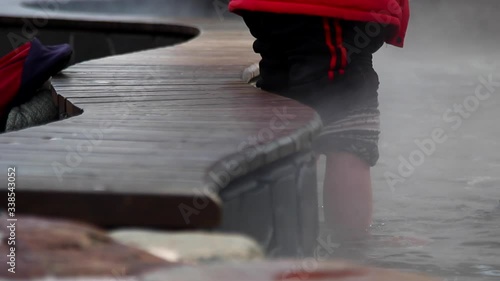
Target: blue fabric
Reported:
[(41, 63)]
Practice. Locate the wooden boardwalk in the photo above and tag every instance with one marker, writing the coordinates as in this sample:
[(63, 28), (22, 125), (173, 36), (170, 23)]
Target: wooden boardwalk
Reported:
[(161, 133)]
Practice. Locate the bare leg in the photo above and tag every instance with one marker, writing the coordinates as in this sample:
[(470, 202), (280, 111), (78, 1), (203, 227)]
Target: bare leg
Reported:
[(347, 195)]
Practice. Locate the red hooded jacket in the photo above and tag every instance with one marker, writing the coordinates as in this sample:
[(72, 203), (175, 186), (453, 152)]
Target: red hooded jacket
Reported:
[(395, 13)]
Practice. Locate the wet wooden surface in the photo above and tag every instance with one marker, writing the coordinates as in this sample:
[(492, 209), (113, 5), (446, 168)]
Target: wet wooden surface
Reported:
[(161, 132)]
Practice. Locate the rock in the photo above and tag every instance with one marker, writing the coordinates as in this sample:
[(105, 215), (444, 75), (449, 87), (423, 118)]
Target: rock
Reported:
[(251, 73), (301, 270), (191, 247), (48, 247)]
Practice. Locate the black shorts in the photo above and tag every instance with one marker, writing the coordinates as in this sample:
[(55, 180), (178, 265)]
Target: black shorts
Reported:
[(324, 63)]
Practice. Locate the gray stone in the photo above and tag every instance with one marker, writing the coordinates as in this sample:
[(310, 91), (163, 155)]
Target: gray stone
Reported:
[(191, 247), (251, 73)]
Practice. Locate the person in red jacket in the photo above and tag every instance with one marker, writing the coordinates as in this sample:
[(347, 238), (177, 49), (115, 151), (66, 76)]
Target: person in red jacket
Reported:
[(320, 52)]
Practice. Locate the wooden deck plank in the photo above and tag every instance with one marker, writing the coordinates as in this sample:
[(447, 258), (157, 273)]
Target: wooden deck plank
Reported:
[(158, 122)]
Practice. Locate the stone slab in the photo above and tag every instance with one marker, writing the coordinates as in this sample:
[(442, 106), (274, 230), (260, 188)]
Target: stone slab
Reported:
[(192, 247), (59, 248)]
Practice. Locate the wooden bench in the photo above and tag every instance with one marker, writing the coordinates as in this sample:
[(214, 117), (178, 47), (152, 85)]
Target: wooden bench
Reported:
[(169, 138)]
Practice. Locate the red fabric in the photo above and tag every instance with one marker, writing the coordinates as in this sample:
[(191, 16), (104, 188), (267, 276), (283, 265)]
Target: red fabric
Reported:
[(343, 51), (11, 70), (336, 48), (331, 47), (388, 12)]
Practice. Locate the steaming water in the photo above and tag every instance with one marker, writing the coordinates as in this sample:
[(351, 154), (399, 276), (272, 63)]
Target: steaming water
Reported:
[(452, 198), (448, 207)]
